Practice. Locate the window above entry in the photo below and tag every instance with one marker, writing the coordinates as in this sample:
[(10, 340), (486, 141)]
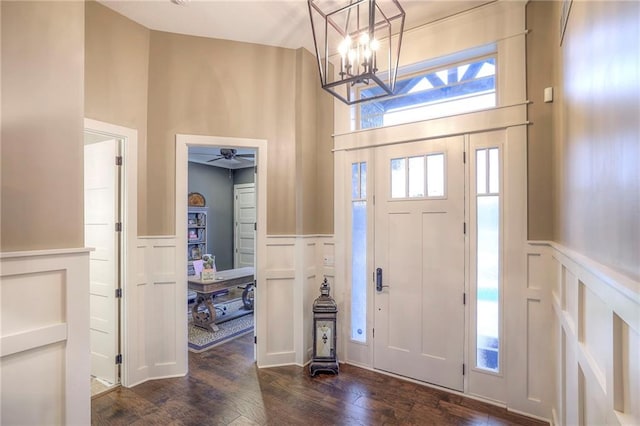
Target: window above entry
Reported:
[(451, 85)]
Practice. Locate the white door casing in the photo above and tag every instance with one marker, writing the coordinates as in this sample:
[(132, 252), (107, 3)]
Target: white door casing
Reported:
[(101, 212), (419, 245), (244, 211), (183, 142)]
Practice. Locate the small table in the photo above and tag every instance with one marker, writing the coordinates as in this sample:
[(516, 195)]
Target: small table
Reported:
[(206, 289)]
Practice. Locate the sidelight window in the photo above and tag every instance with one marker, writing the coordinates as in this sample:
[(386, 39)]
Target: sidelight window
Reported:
[(488, 259), (359, 252)]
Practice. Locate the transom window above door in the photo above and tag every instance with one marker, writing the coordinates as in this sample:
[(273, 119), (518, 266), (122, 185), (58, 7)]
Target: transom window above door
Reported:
[(449, 85), (418, 176)]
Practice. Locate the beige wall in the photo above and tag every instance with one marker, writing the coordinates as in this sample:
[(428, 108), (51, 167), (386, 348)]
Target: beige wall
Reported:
[(595, 131), (224, 88), (42, 120), (543, 43), (314, 159), (163, 84), (324, 157), (116, 80)]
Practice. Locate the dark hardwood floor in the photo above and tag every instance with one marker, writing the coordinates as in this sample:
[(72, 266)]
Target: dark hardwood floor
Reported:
[(224, 387)]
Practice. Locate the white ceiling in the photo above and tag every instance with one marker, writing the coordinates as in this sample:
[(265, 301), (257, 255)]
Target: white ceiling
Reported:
[(269, 22)]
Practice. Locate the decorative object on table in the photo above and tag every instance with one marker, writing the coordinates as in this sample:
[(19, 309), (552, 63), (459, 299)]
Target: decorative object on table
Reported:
[(357, 45), (208, 267), (197, 267), (325, 312), (196, 200)]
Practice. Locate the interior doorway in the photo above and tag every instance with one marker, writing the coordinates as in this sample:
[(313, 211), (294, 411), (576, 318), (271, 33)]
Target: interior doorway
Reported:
[(244, 218), (110, 228), (102, 232), (231, 163)]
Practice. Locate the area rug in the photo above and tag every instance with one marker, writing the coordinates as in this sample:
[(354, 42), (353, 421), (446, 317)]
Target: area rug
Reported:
[(234, 323)]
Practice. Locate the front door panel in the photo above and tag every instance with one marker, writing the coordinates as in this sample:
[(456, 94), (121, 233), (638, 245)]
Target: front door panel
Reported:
[(419, 234)]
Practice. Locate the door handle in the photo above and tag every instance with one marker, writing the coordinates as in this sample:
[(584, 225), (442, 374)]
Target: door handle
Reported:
[(379, 285)]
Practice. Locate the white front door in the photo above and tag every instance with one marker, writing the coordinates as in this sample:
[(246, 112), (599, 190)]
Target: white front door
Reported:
[(101, 212), (419, 253), (245, 221)]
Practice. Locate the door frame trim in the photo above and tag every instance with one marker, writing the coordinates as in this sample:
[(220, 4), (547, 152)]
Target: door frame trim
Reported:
[(129, 206), (183, 142)]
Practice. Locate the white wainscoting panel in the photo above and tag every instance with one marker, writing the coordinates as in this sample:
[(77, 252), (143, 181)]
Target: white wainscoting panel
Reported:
[(596, 323), (44, 329), (295, 268), (155, 314)]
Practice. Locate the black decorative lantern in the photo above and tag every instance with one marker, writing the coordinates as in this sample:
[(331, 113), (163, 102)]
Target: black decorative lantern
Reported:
[(325, 312)]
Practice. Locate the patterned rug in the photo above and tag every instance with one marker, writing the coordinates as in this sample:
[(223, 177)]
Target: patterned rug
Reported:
[(235, 322)]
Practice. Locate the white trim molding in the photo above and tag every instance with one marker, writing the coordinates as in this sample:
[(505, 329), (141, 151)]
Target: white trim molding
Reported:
[(45, 364), (156, 345), (595, 341), (183, 142), (295, 267)]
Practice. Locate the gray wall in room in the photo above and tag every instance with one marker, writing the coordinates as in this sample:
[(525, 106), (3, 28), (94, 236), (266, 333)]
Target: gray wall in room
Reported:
[(216, 186), (246, 175)]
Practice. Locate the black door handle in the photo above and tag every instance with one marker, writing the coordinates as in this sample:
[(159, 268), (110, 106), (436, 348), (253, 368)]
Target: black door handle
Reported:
[(379, 285)]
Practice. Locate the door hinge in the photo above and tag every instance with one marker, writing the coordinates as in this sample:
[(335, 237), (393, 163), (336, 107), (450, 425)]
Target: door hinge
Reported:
[(255, 339), (464, 157), (255, 170), (118, 226), (255, 226), (118, 359), (255, 283), (118, 293), (464, 298), (118, 160), (464, 370), (373, 332), (464, 228)]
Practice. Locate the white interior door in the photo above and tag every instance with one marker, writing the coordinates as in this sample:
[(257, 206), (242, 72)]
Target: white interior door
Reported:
[(245, 220), (101, 212), (419, 247)]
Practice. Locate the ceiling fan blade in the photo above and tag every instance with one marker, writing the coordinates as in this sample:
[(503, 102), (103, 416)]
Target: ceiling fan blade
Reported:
[(215, 159), (246, 155)]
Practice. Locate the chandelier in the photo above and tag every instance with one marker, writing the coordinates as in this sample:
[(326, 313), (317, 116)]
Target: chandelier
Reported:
[(357, 45)]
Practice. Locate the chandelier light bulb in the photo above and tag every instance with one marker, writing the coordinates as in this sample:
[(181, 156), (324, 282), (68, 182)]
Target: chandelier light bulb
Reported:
[(374, 45), (352, 55), (364, 39), (343, 47)]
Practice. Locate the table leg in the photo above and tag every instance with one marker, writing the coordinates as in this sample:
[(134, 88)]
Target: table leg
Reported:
[(206, 318)]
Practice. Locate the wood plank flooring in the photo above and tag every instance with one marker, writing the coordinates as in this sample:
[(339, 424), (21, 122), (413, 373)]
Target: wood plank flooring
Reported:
[(224, 387)]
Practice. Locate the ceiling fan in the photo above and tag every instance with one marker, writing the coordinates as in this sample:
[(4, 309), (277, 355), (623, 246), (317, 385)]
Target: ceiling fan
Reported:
[(230, 154)]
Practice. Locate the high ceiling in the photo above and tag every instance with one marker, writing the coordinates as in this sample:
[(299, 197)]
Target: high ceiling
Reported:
[(269, 22)]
